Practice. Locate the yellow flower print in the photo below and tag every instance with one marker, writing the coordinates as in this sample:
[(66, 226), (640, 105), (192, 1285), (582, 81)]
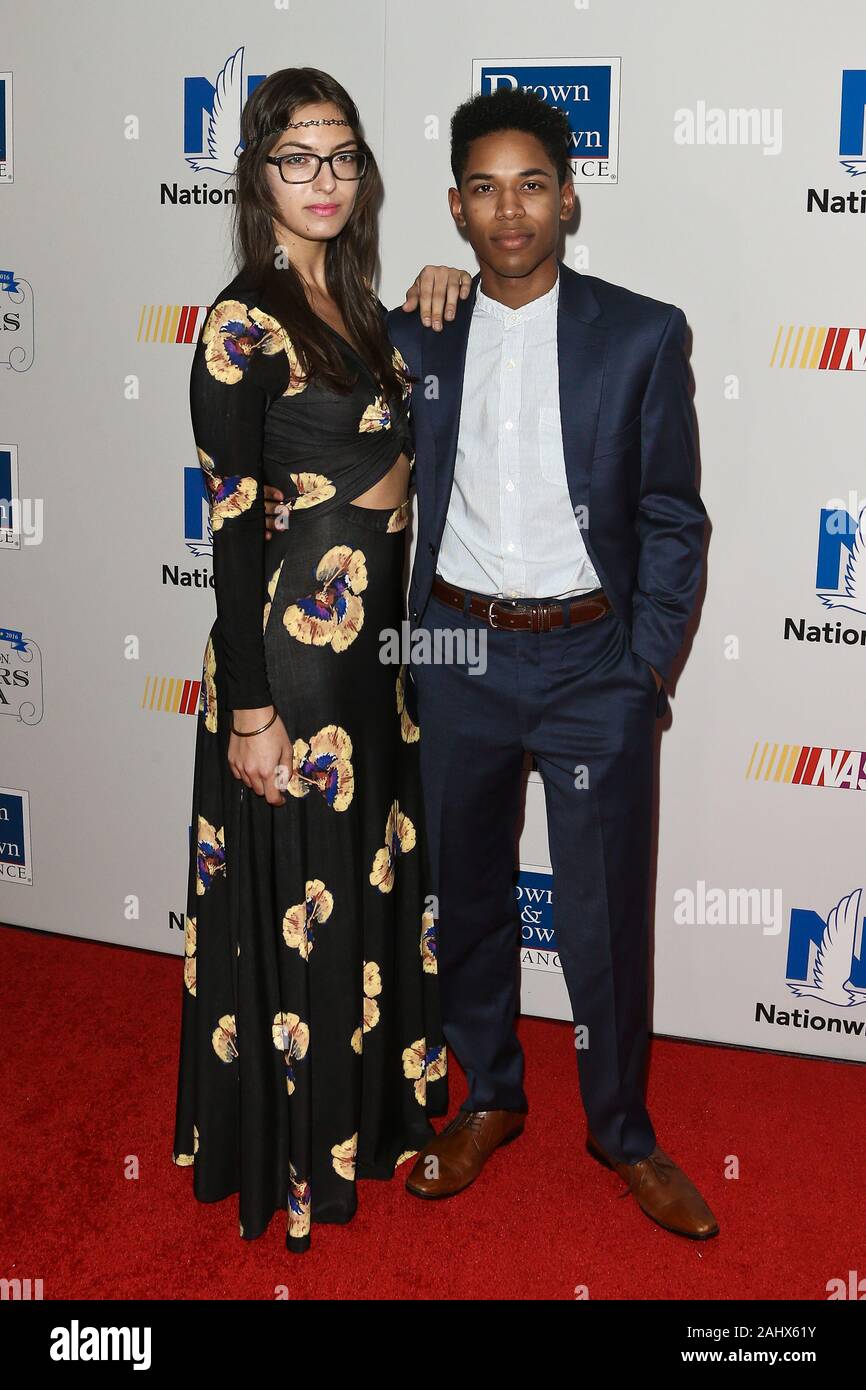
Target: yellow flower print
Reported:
[(377, 416), (299, 1205), (292, 1038), (428, 944), (401, 367), (407, 1153), (324, 763), (272, 589), (189, 954), (399, 839), (399, 518), (210, 855), (231, 335), (224, 1038), (297, 380), (334, 613), (413, 1059), (208, 700), (186, 1160), (437, 1063), (421, 1065), (312, 489), (343, 1157), (299, 922), (372, 979), (372, 988), (229, 496), (409, 730)]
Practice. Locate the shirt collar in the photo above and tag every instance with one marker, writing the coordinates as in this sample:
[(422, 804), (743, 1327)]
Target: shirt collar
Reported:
[(495, 309)]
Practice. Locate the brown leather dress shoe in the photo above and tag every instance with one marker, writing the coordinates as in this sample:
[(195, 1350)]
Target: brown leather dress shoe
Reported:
[(663, 1191), (461, 1150)]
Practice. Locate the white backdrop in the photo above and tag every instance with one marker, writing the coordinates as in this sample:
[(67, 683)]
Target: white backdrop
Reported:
[(719, 166)]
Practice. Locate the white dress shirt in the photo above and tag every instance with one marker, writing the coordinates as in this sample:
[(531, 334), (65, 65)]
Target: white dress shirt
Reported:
[(510, 529)]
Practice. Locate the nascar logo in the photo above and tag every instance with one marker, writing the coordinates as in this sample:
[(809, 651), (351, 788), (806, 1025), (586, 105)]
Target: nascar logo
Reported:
[(808, 766), (170, 323), (171, 695), (820, 349)]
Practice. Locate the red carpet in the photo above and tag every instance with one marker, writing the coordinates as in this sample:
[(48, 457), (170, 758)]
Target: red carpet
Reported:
[(90, 1041)]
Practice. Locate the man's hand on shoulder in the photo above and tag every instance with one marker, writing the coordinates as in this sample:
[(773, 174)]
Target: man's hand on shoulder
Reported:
[(434, 293)]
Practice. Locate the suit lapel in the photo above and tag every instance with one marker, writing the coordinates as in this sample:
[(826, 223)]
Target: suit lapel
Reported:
[(443, 361), (581, 350)]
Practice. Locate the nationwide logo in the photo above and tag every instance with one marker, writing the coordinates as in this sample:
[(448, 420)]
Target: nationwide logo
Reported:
[(819, 349), (534, 893), (10, 502), (20, 677), (826, 956), (197, 534), (5, 127), (171, 695), (840, 577), (197, 529), (212, 131), (16, 322), (826, 962), (171, 323), (837, 528), (852, 155), (806, 765), (586, 89), (16, 863)]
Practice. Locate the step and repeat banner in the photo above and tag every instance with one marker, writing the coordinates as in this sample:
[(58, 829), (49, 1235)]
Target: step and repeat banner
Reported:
[(718, 154)]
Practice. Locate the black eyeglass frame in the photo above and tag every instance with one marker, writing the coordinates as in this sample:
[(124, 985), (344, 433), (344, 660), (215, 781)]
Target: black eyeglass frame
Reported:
[(322, 159)]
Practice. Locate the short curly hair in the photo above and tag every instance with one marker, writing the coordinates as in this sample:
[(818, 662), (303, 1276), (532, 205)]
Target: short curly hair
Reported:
[(509, 108)]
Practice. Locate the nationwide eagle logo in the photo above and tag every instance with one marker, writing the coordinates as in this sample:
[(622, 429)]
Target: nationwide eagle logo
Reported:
[(222, 102), (825, 957), (852, 590)]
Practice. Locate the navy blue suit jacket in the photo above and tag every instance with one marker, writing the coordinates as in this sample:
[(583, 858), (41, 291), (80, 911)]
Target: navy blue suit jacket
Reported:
[(628, 439)]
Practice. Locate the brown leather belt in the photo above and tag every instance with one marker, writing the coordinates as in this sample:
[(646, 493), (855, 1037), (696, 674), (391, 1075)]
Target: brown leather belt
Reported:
[(518, 614)]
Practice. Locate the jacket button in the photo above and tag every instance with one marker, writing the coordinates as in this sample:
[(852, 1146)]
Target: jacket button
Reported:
[(432, 548), (414, 612)]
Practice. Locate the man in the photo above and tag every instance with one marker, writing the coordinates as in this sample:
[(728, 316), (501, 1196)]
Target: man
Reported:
[(557, 516)]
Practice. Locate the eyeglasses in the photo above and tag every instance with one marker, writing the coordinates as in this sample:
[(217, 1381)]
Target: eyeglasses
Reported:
[(303, 168)]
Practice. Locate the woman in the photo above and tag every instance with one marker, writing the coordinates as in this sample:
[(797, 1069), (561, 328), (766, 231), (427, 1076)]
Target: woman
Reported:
[(311, 1051)]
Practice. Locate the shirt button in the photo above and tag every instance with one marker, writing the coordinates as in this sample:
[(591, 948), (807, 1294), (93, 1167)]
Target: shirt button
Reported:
[(511, 547), (509, 486), (510, 362), (509, 424)]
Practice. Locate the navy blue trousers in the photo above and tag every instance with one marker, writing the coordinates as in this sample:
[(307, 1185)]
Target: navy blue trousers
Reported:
[(584, 704)]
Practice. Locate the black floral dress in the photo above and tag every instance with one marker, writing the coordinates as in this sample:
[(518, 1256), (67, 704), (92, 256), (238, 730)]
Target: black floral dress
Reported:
[(311, 1051)]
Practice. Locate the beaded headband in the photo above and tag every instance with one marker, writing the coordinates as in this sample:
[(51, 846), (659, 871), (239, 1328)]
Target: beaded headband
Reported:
[(295, 125), (321, 120)]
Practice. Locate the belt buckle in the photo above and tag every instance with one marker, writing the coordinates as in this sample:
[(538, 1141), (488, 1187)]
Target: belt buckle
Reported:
[(501, 602)]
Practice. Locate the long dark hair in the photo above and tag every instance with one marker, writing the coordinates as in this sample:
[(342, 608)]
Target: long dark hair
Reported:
[(350, 257)]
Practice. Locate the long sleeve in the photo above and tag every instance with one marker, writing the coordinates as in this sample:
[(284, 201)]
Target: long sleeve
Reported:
[(671, 516), (228, 404)]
